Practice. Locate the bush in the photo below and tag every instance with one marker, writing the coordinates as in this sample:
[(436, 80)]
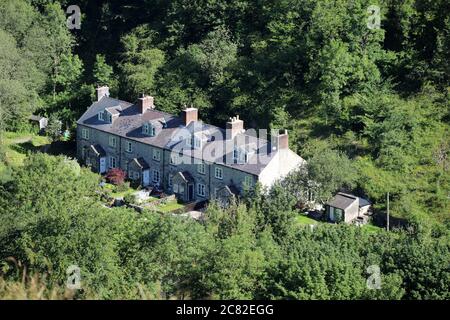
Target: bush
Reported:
[(130, 198), (116, 176)]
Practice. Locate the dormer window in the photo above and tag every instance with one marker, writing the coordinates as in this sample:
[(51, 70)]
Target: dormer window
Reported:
[(149, 129), (241, 155), (108, 117), (197, 143), (235, 154), (101, 116), (194, 141)]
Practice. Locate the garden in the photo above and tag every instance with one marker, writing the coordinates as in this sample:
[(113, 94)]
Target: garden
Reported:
[(117, 192)]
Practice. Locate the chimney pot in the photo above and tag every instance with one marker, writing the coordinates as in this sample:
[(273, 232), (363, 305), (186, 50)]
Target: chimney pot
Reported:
[(282, 140), (189, 115), (145, 103), (234, 126), (102, 92)]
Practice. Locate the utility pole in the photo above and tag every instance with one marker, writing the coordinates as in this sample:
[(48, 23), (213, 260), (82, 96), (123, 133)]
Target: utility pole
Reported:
[(387, 213)]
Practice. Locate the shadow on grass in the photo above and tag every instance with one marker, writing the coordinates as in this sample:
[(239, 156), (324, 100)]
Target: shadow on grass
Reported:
[(55, 148)]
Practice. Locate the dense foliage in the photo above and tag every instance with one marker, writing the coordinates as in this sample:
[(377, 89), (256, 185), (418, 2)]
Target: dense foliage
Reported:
[(233, 254), (368, 108)]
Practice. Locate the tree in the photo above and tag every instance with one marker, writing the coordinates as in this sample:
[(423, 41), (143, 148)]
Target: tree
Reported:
[(103, 73), (54, 128), (140, 63)]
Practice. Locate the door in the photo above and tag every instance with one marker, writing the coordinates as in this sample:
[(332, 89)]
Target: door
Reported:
[(146, 178), (331, 211), (191, 192), (102, 164)]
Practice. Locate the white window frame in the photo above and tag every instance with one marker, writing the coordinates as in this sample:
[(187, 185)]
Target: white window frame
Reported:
[(152, 131), (145, 129), (170, 180), (248, 181), (129, 147), (197, 143), (216, 171), (112, 142), (235, 154), (201, 190), (85, 133), (112, 162), (173, 159), (156, 155), (189, 140), (155, 173), (201, 168), (101, 116)]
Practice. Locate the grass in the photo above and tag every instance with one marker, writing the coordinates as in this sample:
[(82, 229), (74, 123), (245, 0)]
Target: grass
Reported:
[(304, 220), (118, 194), (168, 207), (17, 145), (370, 228)]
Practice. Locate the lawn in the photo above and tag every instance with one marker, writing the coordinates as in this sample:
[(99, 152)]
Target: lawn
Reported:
[(304, 220), (113, 192), (370, 228), (170, 206), (17, 145)]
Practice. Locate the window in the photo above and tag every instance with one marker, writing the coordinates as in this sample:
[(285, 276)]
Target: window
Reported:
[(201, 168), (112, 141), (201, 189), (156, 155), (146, 129), (129, 147), (156, 176), (112, 162), (85, 134), (235, 154), (134, 175), (170, 180), (149, 129), (101, 116), (197, 143), (175, 188), (218, 173), (109, 117), (173, 159), (248, 181)]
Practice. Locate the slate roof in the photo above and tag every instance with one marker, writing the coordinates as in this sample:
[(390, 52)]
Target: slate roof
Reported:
[(141, 163), (130, 121), (342, 200), (98, 150)]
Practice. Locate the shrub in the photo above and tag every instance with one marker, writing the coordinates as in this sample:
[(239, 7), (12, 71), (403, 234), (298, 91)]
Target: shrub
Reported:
[(116, 176), (130, 198)]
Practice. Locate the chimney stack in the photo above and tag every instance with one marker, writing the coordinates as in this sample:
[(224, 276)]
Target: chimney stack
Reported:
[(282, 140), (102, 92), (234, 127), (145, 103), (189, 115)]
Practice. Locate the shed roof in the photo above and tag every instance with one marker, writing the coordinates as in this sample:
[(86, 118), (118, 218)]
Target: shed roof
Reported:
[(342, 200)]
